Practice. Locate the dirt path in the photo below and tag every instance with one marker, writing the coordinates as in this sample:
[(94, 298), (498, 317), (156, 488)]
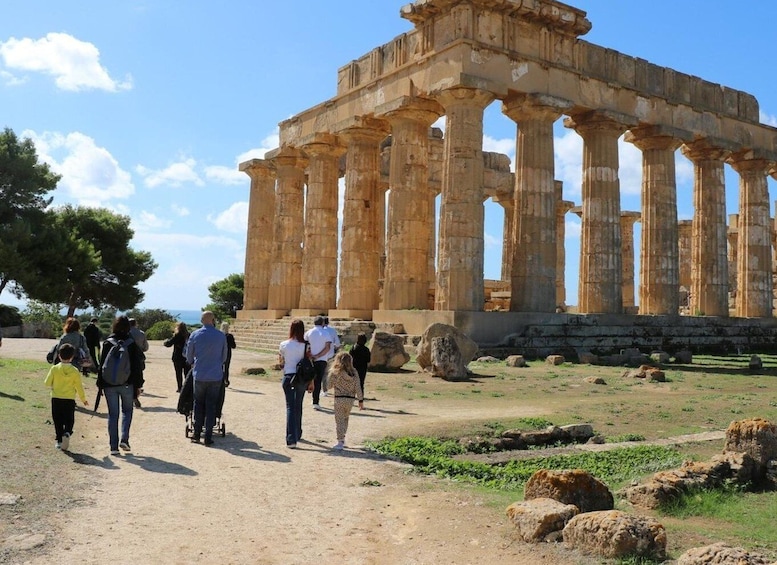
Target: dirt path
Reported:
[(249, 499)]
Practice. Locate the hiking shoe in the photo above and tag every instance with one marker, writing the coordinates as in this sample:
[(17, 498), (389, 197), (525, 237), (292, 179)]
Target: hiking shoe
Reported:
[(125, 446), (195, 439), (65, 441), (316, 407), (208, 442), (291, 445), (338, 446), (115, 452), (138, 404)]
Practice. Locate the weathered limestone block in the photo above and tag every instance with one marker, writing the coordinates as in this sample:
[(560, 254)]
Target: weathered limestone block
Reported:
[(668, 485), (721, 554), (684, 357), (587, 358), (611, 533), (555, 360), (515, 361), (446, 359), (579, 432), (650, 494), (387, 351), (536, 519), (576, 487), (741, 467), (756, 437), (646, 372), (595, 380), (661, 357), (487, 359), (756, 364), (467, 347)]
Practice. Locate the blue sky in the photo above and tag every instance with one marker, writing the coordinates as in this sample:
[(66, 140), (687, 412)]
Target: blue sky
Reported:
[(147, 106)]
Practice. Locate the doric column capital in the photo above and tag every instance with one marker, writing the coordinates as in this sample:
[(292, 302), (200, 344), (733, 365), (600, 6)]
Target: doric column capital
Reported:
[(463, 95), (322, 144), (409, 108), (629, 218), (289, 157), (564, 206), (708, 149), (750, 163), (604, 121), (367, 130), (544, 107), (656, 137), (257, 168)]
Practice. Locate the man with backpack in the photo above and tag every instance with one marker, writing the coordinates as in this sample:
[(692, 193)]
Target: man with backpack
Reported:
[(206, 352), (120, 378)]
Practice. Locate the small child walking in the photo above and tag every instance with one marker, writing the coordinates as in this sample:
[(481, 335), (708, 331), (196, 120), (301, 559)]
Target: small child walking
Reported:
[(344, 381), (64, 380)]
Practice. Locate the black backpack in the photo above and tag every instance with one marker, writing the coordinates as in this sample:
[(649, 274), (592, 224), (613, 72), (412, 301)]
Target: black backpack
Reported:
[(306, 371), (116, 367)]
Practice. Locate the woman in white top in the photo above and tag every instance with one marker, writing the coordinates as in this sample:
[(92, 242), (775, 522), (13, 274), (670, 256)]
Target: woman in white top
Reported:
[(290, 353)]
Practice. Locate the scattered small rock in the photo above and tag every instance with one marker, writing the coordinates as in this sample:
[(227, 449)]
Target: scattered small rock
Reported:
[(555, 360), (595, 380), (487, 359), (515, 361)]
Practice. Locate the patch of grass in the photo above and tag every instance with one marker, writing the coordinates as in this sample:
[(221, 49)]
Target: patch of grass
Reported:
[(615, 467), (625, 437)]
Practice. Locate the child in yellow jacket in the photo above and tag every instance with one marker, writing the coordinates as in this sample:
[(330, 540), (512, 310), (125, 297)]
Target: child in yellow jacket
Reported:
[(64, 380)]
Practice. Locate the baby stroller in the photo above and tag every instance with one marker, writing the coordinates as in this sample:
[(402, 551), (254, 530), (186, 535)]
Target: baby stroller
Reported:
[(186, 406)]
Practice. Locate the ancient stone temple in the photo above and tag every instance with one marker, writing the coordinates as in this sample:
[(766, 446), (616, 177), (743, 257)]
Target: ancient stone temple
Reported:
[(461, 56)]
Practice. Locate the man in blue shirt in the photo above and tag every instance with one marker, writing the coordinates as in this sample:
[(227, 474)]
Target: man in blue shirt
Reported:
[(206, 352)]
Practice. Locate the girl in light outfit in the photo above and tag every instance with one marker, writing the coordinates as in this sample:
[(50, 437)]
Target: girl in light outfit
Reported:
[(344, 380)]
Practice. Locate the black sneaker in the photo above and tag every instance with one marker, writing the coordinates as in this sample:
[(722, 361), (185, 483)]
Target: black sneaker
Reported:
[(208, 441), (138, 404), (195, 439)]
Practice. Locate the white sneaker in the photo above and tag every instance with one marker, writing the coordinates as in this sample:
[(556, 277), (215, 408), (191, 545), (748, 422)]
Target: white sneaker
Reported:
[(65, 441), (58, 445), (316, 407), (338, 446), (115, 452)]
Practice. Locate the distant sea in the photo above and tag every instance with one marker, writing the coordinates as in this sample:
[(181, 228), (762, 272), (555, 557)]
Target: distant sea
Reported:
[(189, 317)]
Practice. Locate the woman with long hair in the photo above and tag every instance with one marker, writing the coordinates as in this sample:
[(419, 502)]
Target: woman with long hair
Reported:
[(290, 353), (71, 333), (178, 343)]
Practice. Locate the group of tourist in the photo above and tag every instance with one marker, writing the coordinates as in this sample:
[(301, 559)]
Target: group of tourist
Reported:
[(206, 355), (333, 370)]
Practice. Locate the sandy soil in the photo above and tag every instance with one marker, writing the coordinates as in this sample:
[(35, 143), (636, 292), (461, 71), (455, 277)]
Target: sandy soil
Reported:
[(250, 499)]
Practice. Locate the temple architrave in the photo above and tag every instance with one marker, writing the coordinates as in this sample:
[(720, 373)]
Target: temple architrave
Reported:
[(396, 264)]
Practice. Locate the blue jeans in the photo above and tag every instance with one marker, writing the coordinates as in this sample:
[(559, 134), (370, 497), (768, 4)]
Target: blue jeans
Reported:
[(206, 399), (294, 398), (113, 394)]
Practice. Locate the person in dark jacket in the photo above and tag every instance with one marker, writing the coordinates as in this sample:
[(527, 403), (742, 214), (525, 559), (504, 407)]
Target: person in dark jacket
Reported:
[(121, 396), (361, 357), (231, 344), (178, 343), (93, 335)]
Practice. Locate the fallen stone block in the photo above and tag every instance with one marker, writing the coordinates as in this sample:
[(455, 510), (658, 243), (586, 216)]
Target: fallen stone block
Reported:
[(613, 534), (535, 519)]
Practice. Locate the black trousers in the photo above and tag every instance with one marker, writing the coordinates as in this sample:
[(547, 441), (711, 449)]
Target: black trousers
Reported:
[(181, 368), (63, 412), (320, 372)]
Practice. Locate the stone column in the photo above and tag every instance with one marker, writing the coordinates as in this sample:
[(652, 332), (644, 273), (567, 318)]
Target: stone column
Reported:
[(460, 255), (507, 202), (627, 252), (709, 255), (562, 207), (259, 241), (601, 271), (362, 224), (319, 259), (659, 269), (410, 218), (732, 237), (754, 254), (685, 256), (533, 276), (285, 278)]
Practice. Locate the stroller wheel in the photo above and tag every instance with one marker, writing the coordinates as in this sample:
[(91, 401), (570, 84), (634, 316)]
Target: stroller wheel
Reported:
[(223, 430)]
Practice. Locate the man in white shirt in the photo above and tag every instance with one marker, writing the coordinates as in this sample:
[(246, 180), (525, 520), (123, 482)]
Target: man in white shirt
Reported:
[(321, 349), (335, 338)]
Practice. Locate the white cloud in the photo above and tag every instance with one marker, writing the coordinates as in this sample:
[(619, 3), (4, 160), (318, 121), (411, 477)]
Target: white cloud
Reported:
[(572, 227), (234, 219), (146, 221), (91, 176), (629, 168), (505, 146), (182, 211), (767, 119), (226, 175), (568, 149), (491, 242), (269, 143), (11, 79), (177, 174), (74, 64)]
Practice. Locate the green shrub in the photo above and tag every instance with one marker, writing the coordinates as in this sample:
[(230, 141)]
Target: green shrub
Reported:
[(46, 316), (161, 330)]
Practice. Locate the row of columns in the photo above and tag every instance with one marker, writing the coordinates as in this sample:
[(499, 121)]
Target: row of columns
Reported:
[(280, 276)]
